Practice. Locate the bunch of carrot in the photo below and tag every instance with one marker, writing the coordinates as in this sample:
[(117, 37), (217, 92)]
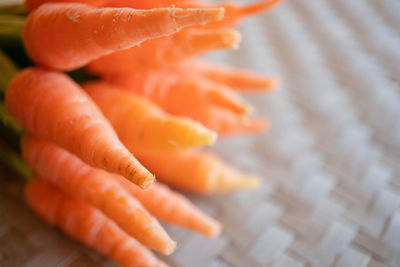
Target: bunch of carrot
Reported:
[(95, 148)]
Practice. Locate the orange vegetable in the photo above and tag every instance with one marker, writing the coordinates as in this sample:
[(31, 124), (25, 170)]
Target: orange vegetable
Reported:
[(68, 36), (177, 94), (87, 224), (173, 207), (225, 122), (197, 171), (50, 105), (235, 78), (141, 125), (32, 4), (234, 12), (67, 172), (214, 105), (164, 51)]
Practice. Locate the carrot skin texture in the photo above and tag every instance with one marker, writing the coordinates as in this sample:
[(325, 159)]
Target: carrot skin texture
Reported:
[(197, 172), (32, 4), (215, 106), (96, 187), (89, 33), (172, 207), (162, 52), (87, 224), (234, 12), (142, 125), (50, 105)]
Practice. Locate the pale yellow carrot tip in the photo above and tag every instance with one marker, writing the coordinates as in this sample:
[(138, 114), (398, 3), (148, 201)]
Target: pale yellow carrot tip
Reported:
[(236, 38), (208, 137), (240, 181), (146, 181), (231, 39), (249, 182), (170, 248), (200, 15), (214, 230), (272, 84)]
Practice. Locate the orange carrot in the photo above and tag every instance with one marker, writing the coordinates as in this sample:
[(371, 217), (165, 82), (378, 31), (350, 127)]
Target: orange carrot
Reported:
[(87, 224), (235, 78), (197, 171), (173, 207), (142, 125), (176, 93), (32, 4), (50, 105), (67, 172), (234, 12), (214, 105), (68, 36), (225, 122), (164, 51)]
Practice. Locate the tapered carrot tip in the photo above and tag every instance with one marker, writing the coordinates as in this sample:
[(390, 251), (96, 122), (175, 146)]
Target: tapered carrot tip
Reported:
[(203, 40), (177, 134), (254, 125), (202, 136), (190, 16), (232, 39), (271, 84), (239, 181), (258, 7), (169, 248), (213, 229), (134, 172)]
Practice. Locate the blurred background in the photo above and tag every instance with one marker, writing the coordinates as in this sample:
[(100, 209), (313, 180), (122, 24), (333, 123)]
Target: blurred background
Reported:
[(330, 161)]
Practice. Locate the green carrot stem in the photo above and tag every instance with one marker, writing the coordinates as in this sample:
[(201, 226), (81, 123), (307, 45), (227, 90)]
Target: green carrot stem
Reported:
[(12, 160), (8, 121), (13, 9), (7, 71), (11, 30)]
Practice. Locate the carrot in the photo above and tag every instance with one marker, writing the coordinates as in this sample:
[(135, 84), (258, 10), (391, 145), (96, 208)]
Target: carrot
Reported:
[(173, 207), (32, 4), (177, 94), (50, 105), (67, 172), (214, 105), (196, 171), (87, 224), (164, 51), (142, 125), (225, 122), (68, 36), (234, 12), (235, 78)]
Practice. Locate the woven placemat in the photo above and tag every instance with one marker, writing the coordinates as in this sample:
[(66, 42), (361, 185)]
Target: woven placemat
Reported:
[(331, 161)]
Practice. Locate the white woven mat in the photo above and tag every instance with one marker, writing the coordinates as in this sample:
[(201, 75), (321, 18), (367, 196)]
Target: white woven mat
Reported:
[(331, 160)]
